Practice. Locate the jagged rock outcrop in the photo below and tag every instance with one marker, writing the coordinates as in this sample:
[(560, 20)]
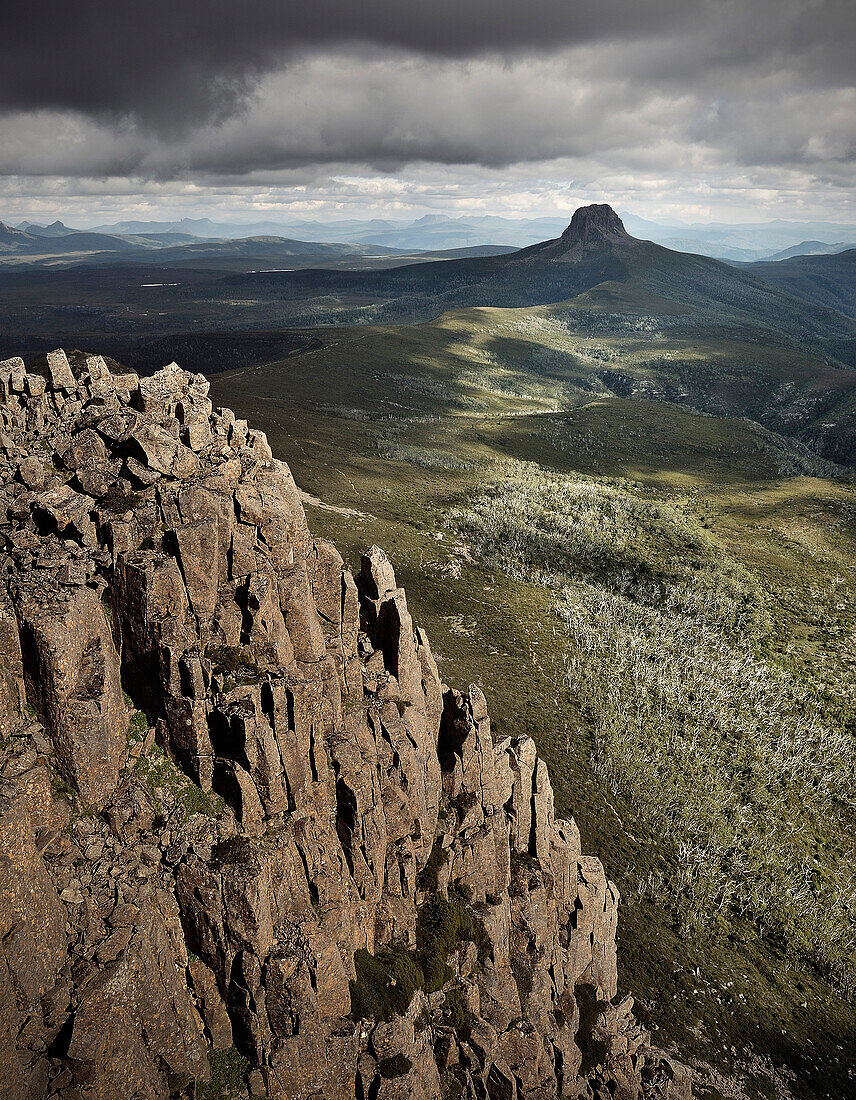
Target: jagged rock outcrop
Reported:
[(594, 224), (287, 849)]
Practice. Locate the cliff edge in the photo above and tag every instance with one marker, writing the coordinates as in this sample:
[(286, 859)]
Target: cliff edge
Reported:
[(249, 843)]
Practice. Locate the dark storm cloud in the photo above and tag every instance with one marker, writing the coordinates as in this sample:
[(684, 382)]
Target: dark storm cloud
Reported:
[(166, 62), (650, 97)]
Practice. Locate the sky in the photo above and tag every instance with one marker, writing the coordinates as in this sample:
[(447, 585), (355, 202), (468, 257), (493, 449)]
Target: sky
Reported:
[(674, 110)]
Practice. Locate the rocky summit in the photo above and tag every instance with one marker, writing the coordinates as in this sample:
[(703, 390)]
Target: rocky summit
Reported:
[(250, 845), (590, 225)]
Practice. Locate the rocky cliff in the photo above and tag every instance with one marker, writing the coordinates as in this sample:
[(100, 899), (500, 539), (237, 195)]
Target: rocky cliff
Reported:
[(249, 842)]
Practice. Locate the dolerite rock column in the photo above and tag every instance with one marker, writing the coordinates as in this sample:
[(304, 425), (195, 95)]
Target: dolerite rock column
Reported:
[(287, 850)]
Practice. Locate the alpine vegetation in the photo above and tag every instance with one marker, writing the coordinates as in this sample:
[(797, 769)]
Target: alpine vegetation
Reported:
[(745, 767)]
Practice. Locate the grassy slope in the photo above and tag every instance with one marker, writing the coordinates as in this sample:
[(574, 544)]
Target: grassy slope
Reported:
[(823, 280), (409, 424), (617, 339)]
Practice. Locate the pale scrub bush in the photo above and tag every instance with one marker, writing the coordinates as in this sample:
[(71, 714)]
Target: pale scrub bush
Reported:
[(727, 756), (543, 527)]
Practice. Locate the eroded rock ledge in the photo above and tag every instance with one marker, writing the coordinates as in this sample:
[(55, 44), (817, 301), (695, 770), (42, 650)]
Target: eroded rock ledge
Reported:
[(243, 825)]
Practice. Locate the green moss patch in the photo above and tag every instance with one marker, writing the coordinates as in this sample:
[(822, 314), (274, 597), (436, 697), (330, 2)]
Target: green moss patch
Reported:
[(385, 983), (228, 1071), (427, 879)]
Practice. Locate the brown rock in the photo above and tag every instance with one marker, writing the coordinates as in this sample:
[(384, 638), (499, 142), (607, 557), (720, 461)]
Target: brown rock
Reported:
[(131, 810), (12, 694), (197, 545), (13, 375), (665, 1079), (32, 949), (136, 1031), (356, 788), (377, 577), (32, 472), (211, 1005), (72, 674)]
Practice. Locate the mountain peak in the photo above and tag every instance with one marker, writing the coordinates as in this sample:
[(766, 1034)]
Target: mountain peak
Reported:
[(595, 223), (8, 231)]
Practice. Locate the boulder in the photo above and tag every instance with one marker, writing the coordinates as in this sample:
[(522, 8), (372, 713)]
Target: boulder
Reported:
[(136, 1030), (12, 692), (60, 371), (32, 472), (13, 376), (33, 991)]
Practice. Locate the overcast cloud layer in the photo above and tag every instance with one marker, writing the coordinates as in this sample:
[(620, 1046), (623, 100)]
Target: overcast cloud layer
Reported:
[(671, 108)]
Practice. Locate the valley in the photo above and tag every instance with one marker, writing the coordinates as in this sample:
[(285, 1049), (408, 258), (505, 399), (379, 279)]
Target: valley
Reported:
[(617, 484)]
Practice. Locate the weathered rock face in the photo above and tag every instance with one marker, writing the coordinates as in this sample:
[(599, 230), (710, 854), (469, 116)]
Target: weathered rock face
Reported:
[(591, 225), (304, 858), (71, 673)]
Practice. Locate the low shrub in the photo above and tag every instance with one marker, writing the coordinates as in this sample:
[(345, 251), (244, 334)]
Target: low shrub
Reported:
[(735, 748), (137, 727), (237, 667), (119, 502), (462, 890), (441, 927), (228, 1070), (456, 1015), (385, 984)]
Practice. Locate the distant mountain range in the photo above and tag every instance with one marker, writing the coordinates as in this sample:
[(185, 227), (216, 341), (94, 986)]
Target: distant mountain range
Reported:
[(828, 281), (429, 233), (811, 248), (765, 327), (778, 339), (745, 242), (594, 249), (32, 241), (166, 245)]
